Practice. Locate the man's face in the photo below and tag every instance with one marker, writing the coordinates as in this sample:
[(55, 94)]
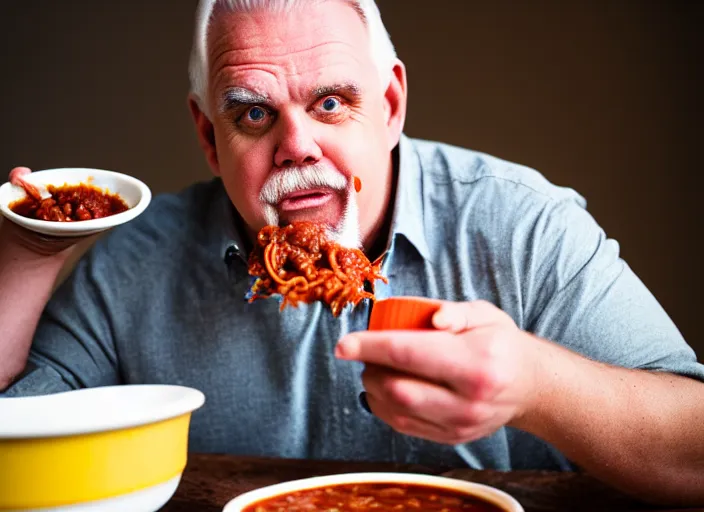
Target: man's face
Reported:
[(298, 110)]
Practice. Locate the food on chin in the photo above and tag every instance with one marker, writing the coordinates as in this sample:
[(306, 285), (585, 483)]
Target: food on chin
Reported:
[(68, 203), (374, 497), (301, 264)]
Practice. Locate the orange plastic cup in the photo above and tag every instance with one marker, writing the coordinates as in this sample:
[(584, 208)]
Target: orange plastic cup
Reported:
[(403, 313)]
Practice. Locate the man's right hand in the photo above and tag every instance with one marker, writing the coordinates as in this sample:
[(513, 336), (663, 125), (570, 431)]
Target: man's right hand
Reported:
[(37, 243)]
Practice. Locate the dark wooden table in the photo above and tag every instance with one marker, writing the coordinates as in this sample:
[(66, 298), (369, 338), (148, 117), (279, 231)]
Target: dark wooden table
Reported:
[(210, 481)]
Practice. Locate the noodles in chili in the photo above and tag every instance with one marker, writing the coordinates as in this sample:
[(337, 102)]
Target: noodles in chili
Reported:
[(301, 264)]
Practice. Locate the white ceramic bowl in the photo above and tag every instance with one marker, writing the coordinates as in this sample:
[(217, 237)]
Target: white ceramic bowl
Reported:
[(105, 449), (135, 193), (483, 492)]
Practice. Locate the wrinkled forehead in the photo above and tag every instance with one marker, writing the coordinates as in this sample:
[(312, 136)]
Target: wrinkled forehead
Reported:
[(334, 14), (310, 36)]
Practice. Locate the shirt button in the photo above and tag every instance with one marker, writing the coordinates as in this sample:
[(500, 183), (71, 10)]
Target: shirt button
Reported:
[(231, 253), (364, 403)]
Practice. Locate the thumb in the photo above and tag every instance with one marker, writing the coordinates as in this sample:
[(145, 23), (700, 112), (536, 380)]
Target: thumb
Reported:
[(457, 317), (17, 174)]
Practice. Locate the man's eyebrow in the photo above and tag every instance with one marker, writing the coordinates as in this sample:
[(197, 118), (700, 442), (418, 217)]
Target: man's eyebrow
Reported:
[(349, 89), (235, 97)]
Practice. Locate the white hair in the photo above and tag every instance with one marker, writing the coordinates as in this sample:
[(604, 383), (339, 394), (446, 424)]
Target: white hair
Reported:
[(383, 52)]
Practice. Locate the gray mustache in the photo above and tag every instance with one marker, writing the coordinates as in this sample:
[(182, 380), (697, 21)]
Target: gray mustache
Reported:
[(293, 179)]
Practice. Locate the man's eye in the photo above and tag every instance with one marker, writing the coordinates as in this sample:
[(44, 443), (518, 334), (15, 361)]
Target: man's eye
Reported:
[(331, 109), (255, 114), (255, 119), (331, 104)]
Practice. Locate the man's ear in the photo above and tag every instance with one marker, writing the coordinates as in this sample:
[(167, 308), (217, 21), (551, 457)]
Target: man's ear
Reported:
[(395, 102), (206, 134)]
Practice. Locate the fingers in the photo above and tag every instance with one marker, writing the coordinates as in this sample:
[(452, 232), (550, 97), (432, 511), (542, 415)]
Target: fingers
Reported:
[(17, 178), (409, 396), (425, 422), (37, 243), (404, 424), (429, 354), (17, 174), (466, 364), (40, 244), (458, 317)]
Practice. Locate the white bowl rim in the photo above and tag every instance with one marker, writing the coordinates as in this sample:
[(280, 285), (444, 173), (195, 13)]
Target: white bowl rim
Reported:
[(93, 410), (85, 226), (490, 494)]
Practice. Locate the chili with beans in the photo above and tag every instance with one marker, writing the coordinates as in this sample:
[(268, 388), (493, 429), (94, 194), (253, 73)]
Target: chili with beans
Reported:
[(374, 497), (70, 203)]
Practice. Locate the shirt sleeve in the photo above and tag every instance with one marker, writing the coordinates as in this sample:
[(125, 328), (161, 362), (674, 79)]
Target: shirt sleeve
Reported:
[(584, 296), (73, 345)]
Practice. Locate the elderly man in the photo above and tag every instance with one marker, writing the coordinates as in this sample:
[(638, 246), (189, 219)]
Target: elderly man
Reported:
[(548, 352)]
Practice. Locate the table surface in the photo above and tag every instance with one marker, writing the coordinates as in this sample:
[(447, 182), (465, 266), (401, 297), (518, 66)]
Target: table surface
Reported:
[(210, 481)]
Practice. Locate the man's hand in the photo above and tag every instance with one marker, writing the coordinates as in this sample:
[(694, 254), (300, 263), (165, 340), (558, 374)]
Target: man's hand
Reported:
[(463, 381), (35, 243), (639, 431)]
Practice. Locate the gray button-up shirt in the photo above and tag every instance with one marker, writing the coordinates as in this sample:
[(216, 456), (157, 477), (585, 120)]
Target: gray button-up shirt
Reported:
[(157, 301)]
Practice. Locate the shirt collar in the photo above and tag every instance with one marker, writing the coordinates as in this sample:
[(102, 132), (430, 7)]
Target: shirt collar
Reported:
[(407, 218)]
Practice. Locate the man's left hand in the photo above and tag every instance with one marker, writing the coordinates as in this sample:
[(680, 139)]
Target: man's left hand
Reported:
[(475, 373)]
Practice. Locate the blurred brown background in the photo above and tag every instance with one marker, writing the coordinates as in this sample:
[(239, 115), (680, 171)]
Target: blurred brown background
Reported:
[(603, 96)]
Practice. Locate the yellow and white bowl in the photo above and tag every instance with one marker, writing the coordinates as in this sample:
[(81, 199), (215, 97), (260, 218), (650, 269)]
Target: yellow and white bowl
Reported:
[(106, 449)]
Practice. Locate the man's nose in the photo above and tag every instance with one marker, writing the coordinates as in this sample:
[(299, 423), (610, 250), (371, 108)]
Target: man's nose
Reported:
[(296, 144)]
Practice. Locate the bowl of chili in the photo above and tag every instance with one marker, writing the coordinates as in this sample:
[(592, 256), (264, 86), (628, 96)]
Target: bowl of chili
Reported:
[(375, 492), (104, 449), (83, 201)]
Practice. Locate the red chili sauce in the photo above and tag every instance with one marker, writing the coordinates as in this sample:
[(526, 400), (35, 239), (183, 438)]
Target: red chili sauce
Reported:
[(70, 203), (374, 498)]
